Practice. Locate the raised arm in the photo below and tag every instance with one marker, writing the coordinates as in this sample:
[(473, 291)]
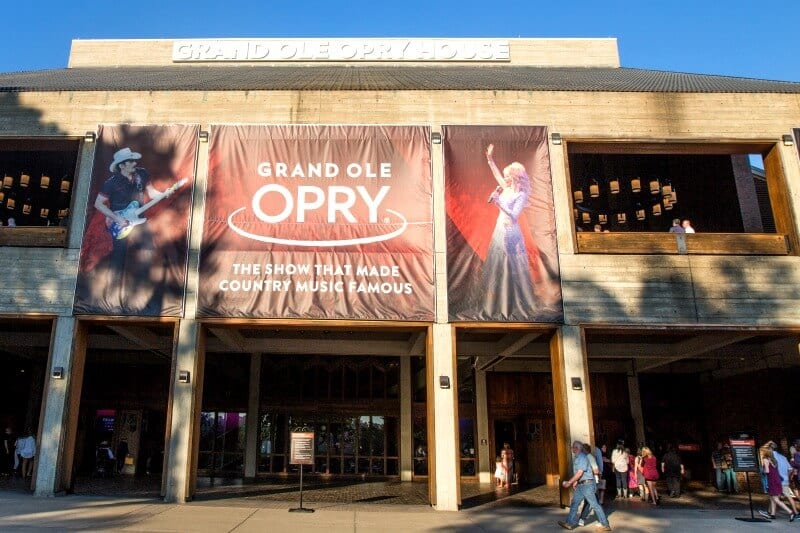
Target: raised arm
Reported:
[(495, 171)]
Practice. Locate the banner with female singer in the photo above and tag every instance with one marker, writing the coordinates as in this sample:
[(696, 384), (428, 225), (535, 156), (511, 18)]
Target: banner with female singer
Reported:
[(135, 246), (502, 257), (327, 222)]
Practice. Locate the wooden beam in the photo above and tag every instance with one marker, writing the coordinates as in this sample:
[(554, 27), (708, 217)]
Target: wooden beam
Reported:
[(230, 338), (416, 344), (692, 347)]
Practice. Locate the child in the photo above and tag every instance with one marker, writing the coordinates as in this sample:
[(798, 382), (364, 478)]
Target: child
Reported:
[(499, 472)]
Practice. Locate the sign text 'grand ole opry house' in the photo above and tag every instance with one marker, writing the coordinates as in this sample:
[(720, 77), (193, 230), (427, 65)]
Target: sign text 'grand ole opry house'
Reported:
[(417, 249)]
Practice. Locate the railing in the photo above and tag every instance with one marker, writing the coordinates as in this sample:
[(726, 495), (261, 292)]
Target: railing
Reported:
[(683, 243), (45, 237)]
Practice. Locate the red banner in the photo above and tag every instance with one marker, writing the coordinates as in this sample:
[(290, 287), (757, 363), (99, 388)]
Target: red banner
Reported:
[(135, 246), (502, 258), (330, 222)]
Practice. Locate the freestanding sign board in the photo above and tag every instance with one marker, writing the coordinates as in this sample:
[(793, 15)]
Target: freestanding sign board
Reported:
[(302, 448), (745, 459), (743, 449), (301, 452)]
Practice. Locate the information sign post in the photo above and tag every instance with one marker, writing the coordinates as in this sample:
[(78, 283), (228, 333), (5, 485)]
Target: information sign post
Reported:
[(301, 452), (745, 459)]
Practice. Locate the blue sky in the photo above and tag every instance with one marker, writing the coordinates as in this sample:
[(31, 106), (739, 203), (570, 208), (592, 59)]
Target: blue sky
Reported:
[(736, 38)]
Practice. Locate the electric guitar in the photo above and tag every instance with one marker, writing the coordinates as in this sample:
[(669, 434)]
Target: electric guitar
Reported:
[(132, 211)]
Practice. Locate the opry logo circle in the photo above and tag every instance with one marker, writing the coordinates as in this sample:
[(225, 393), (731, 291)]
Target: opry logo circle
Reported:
[(279, 207)]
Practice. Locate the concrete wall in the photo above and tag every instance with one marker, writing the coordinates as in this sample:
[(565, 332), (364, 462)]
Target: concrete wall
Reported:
[(710, 290)]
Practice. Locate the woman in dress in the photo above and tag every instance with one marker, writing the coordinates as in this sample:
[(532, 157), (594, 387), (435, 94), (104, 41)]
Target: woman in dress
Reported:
[(774, 485), (507, 264), (650, 471)]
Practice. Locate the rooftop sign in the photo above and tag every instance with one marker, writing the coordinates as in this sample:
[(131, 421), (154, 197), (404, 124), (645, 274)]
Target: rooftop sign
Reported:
[(269, 50)]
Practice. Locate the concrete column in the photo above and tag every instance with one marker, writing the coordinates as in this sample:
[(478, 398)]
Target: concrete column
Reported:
[(251, 427), (184, 413), (59, 417), (635, 399), (77, 219), (406, 423), (485, 463), (573, 407), (445, 421), (579, 403)]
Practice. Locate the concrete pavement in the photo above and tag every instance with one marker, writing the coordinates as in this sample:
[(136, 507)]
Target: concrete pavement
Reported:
[(24, 513)]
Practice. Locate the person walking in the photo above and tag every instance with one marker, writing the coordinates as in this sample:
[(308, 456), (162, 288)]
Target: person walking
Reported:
[(583, 483), (650, 472), (774, 487), (620, 461), (26, 448), (673, 470)]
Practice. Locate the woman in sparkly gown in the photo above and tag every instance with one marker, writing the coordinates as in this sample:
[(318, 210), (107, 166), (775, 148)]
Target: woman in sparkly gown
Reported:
[(506, 272)]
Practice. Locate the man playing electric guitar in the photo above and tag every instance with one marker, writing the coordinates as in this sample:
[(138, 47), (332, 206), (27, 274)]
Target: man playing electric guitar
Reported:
[(132, 256)]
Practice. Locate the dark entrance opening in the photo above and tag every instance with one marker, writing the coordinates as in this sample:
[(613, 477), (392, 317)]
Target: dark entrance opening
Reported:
[(24, 348), (120, 439)]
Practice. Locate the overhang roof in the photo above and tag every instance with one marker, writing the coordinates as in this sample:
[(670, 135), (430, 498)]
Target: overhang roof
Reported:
[(382, 78)]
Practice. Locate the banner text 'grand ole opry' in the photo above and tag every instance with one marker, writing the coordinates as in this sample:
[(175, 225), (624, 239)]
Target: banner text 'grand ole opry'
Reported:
[(419, 250)]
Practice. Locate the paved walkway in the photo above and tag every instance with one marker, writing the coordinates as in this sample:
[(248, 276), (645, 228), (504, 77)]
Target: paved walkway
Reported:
[(519, 512)]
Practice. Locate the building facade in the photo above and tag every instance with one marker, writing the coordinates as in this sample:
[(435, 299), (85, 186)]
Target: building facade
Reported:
[(418, 250)]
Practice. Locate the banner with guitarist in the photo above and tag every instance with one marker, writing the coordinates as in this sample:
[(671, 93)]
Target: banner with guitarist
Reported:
[(135, 247)]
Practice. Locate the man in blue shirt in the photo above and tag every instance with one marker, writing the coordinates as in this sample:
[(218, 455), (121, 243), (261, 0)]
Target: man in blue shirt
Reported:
[(585, 487)]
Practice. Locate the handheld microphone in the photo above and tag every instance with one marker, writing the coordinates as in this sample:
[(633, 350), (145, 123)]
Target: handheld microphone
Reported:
[(497, 190)]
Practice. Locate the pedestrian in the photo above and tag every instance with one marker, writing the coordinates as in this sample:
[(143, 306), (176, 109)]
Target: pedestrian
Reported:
[(676, 226), (595, 466), (673, 470), (7, 465), (583, 483), (716, 464), (774, 487), (26, 449), (687, 226), (650, 472), (784, 469), (499, 473), (633, 482), (620, 460), (507, 457), (640, 480), (728, 473)]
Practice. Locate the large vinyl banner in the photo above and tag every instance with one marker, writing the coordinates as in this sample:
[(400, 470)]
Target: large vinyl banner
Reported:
[(502, 260), (135, 247), (330, 222)]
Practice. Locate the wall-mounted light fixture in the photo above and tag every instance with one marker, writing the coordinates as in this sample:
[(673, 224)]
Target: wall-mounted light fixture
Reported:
[(58, 372), (576, 384), (90, 137), (436, 137), (203, 136), (788, 140), (555, 138), (444, 382), (184, 376), (24, 179), (44, 182)]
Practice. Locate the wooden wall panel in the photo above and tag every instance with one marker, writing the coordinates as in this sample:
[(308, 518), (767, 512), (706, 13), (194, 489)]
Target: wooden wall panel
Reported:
[(37, 280)]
